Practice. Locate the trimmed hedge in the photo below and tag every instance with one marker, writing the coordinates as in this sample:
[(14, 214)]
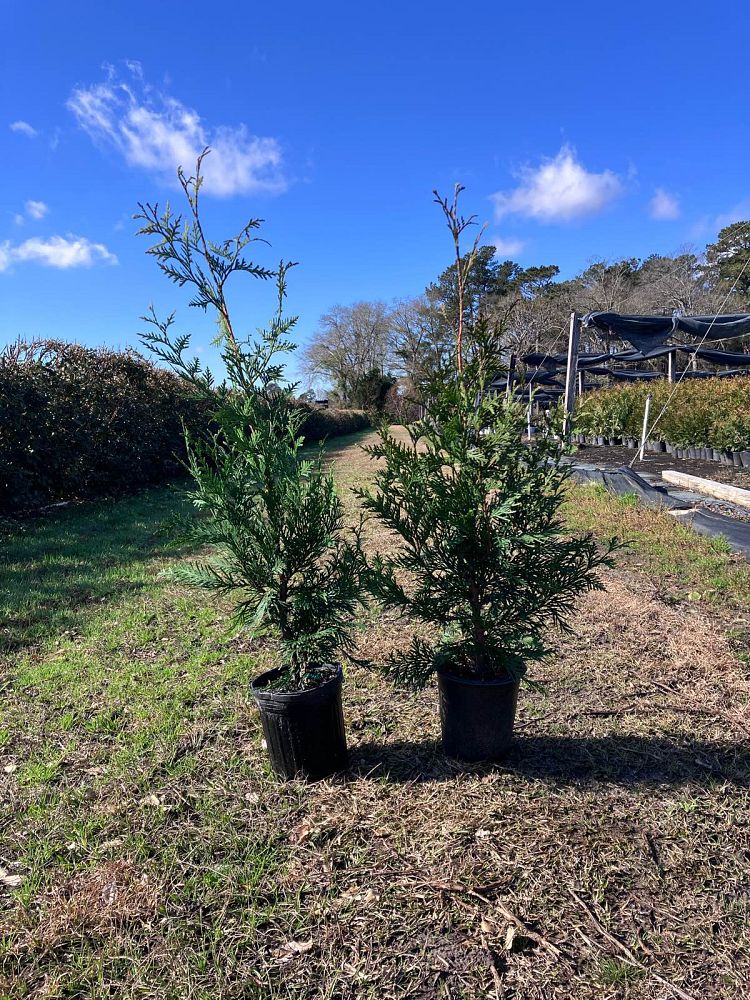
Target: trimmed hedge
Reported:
[(324, 423), (81, 422), (706, 413)]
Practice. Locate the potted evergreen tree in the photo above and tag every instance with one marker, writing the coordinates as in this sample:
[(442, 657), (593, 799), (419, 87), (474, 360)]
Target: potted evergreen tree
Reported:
[(268, 511), (484, 558)]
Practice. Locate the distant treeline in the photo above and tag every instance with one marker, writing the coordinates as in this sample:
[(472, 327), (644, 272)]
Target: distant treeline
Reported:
[(81, 422), (373, 354)]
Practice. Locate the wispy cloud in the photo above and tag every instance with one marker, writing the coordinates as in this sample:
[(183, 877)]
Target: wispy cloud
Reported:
[(23, 128), (32, 210), (560, 189), (62, 252), (36, 209), (158, 133), (508, 246), (664, 207), (707, 226), (738, 213)]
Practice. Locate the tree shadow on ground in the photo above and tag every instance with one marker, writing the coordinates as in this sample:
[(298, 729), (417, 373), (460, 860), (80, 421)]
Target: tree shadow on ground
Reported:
[(58, 567), (567, 760)]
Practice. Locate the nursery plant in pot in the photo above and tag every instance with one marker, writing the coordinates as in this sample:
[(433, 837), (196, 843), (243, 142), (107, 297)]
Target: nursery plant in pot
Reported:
[(484, 562), (268, 511)]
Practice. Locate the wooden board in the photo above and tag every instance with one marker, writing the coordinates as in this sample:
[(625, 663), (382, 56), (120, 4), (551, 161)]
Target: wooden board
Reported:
[(720, 491)]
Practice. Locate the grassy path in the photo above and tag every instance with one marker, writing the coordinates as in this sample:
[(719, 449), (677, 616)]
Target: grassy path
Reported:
[(145, 851)]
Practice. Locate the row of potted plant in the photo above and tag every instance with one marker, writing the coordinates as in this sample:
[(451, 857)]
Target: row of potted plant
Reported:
[(738, 459), (483, 557), (708, 417)]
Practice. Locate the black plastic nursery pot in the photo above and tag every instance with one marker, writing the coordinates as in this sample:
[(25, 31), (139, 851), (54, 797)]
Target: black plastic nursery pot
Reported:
[(304, 730), (477, 716)]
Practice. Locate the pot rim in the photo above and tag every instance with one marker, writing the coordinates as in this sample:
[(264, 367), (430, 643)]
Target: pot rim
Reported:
[(508, 680), (259, 691)]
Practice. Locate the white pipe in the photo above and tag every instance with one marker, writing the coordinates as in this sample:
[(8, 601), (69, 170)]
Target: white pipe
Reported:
[(646, 415)]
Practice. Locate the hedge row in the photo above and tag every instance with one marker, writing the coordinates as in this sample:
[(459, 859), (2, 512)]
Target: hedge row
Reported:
[(710, 413), (329, 423), (81, 422)]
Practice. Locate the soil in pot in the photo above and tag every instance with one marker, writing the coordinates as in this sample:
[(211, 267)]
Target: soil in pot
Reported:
[(477, 716), (304, 730)]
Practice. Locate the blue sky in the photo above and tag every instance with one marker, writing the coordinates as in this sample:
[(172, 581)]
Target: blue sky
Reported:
[(581, 130)]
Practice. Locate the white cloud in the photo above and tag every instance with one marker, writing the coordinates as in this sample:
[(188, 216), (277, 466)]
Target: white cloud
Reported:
[(559, 190), (159, 133), (32, 210), (62, 252), (36, 209), (23, 128), (738, 213), (507, 246), (664, 207)]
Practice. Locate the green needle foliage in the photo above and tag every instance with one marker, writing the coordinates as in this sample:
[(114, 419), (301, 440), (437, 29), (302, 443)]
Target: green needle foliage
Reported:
[(484, 557), (268, 510)]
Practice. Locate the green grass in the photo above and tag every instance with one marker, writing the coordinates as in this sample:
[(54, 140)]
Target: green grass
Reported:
[(58, 569), (683, 564), (118, 689)]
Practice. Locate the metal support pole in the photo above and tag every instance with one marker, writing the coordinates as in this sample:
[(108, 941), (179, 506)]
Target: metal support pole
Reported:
[(570, 374), (511, 373), (528, 421), (670, 366), (581, 383), (644, 432)]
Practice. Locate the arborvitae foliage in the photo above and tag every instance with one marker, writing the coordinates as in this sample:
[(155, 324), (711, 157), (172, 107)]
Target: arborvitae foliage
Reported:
[(269, 512), (485, 558)]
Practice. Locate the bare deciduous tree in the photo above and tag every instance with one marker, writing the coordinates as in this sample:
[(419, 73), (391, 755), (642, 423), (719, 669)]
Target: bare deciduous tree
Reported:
[(350, 342)]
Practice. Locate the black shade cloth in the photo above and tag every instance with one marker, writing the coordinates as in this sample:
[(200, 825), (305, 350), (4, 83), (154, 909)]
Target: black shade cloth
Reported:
[(545, 392), (653, 352), (537, 377), (719, 357), (690, 374), (543, 360), (644, 332), (623, 376)]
